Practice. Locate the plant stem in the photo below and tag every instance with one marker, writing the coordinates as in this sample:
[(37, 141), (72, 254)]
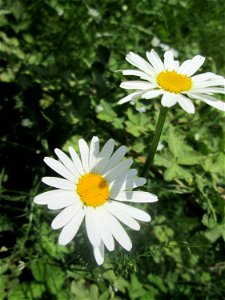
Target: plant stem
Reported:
[(159, 126)]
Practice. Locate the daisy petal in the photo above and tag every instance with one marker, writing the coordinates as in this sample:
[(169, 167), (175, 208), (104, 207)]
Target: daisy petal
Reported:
[(118, 231), (93, 232), (123, 217), (139, 62), (118, 169), (66, 161), (46, 197), (106, 235), (99, 254), (210, 101), (104, 156), (66, 215), (139, 182), (138, 197), (169, 99), (136, 85), (61, 202), (70, 230), (152, 94), (202, 97), (169, 60), (216, 104), (134, 212), (115, 158), (155, 61), (122, 183), (84, 152), (76, 161), (210, 90), (140, 74), (186, 104), (58, 183), (130, 97), (189, 67), (59, 168), (208, 77), (94, 152)]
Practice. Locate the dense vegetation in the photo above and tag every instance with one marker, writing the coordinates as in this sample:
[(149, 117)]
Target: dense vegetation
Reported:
[(57, 84)]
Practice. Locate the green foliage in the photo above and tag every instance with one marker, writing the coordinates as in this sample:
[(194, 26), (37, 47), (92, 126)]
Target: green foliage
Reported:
[(58, 84)]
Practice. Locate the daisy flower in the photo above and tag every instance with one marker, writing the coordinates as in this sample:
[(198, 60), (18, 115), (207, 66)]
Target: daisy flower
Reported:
[(95, 187), (174, 82)]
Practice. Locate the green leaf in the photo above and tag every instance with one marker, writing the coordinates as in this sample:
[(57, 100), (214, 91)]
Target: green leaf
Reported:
[(175, 171), (157, 282), (53, 276), (136, 289), (215, 233)]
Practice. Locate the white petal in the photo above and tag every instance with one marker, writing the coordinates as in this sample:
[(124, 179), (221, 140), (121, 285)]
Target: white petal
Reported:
[(197, 62), (59, 183), (136, 85), (169, 99), (208, 76), (152, 94), (118, 169), (92, 229), (84, 153), (63, 201), (70, 230), (76, 161), (66, 161), (186, 104), (184, 66), (130, 97), (210, 90), (123, 217), (136, 196), (104, 155), (115, 158), (155, 61), (202, 97), (216, 104), (207, 84), (189, 67), (139, 62), (59, 168), (169, 60), (105, 232), (125, 183), (128, 175), (140, 74), (210, 101), (139, 182), (46, 197), (99, 254), (57, 199), (132, 211), (118, 231), (66, 215), (94, 152)]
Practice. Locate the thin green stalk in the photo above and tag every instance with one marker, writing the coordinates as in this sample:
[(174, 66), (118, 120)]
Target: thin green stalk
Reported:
[(159, 127)]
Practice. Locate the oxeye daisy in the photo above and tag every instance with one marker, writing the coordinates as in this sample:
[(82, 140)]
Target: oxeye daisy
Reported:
[(174, 82), (94, 187)]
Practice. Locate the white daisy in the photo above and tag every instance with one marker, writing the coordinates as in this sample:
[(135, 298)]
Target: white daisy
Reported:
[(174, 82), (95, 187)]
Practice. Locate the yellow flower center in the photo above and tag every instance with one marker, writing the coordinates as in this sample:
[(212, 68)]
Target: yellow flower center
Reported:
[(173, 82), (93, 189)]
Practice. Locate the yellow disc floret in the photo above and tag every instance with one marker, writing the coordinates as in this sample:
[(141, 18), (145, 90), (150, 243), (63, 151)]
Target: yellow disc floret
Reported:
[(93, 189), (174, 82)]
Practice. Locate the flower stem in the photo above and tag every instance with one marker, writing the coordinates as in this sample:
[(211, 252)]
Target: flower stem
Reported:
[(159, 126)]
